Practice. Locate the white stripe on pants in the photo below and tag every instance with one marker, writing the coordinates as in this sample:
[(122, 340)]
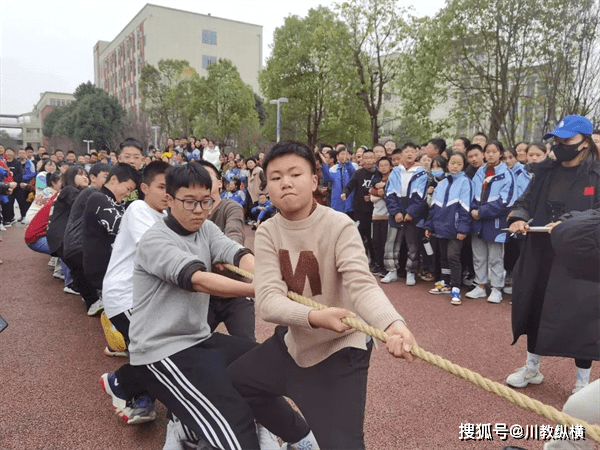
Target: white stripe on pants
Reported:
[(488, 256)]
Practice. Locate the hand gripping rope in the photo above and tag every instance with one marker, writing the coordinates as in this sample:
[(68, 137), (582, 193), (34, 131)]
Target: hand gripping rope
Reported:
[(551, 413)]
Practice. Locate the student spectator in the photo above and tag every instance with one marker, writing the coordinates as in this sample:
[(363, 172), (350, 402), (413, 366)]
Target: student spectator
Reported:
[(380, 214), (263, 210), (435, 147), (480, 139), (397, 157), (233, 192), (494, 194), (232, 172), (405, 200), (101, 219), (211, 154), (460, 145), (475, 158), (379, 151), (450, 220), (73, 236), (130, 402), (359, 185), (60, 158), (339, 176), (389, 146), (304, 360), (536, 153), (18, 194), (257, 182), (71, 158)]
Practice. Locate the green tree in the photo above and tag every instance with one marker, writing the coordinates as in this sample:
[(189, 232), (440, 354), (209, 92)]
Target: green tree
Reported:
[(223, 98), (308, 66), (379, 35), (166, 91)]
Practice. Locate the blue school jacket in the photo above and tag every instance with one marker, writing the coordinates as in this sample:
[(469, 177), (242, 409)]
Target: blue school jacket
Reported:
[(450, 211), (237, 196), (339, 176), (522, 178), (414, 203), (493, 208), (267, 212)]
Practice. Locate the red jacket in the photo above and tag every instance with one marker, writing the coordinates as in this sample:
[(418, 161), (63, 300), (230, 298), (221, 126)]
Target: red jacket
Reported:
[(39, 224)]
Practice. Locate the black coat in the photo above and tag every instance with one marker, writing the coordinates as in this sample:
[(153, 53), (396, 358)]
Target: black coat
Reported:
[(558, 311), (59, 216)]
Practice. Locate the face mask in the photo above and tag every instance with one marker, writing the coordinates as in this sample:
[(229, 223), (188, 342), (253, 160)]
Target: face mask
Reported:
[(437, 173), (566, 152)]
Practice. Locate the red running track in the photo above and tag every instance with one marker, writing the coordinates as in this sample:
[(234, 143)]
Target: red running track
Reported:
[(51, 354)]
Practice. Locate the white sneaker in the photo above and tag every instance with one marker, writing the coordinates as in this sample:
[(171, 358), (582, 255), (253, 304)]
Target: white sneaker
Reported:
[(410, 279), (580, 384), (69, 290), (392, 275), (172, 441), (53, 261), (95, 308), (477, 292), (495, 296), (2, 227), (507, 290), (524, 376), (266, 439)]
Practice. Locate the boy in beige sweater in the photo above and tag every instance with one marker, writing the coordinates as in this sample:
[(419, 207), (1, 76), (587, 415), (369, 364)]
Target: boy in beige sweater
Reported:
[(314, 358)]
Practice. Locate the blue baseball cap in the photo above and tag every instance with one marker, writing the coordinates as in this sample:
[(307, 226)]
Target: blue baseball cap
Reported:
[(571, 126)]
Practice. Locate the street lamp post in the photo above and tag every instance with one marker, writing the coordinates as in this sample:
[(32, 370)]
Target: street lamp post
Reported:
[(278, 102), (155, 128), (88, 142)]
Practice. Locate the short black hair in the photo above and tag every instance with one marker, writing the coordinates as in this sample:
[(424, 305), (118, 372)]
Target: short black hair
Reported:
[(441, 161), (465, 140), (211, 166), (187, 175), (473, 147), (378, 145), (70, 174), (463, 157), (29, 147), (408, 145), (539, 145), (439, 143), (498, 144), (397, 151), (332, 154), (152, 170), (291, 147), (57, 150), (124, 172), (385, 158), (521, 142), (131, 142), (511, 150), (99, 167), (69, 152), (367, 150), (480, 133)]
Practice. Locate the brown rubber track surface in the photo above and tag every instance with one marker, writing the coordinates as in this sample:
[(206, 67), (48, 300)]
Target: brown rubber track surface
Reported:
[(51, 361)]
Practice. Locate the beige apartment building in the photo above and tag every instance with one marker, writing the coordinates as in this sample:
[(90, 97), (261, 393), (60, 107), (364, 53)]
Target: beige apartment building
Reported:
[(158, 32)]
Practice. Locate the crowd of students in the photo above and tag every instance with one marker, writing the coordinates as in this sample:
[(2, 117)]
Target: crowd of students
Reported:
[(130, 231)]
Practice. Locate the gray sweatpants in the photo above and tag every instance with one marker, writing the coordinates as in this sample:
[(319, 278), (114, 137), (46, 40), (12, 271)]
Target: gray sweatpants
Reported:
[(488, 256), (410, 233)]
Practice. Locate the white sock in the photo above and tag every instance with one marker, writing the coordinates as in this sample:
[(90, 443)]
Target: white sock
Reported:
[(305, 441), (533, 361), (584, 374)]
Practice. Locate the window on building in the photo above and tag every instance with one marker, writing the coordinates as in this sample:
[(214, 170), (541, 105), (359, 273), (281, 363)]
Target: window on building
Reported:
[(209, 37), (208, 60)]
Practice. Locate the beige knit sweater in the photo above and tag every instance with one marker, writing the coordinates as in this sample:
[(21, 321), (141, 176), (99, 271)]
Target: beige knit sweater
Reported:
[(321, 257)]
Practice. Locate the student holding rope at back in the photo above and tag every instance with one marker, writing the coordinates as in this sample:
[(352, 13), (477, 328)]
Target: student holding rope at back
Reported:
[(314, 358)]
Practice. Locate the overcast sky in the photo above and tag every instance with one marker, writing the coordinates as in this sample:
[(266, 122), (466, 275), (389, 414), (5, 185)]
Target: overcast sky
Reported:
[(47, 45)]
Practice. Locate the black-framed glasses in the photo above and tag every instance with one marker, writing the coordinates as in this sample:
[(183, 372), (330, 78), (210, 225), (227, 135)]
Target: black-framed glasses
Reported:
[(205, 204)]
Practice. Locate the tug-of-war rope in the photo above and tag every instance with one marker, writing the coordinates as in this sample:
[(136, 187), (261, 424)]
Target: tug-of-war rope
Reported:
[(551, 413)]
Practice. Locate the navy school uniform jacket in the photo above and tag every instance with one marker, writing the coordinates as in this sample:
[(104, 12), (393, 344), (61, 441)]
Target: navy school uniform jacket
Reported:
[(495, 204), (414, 202), (339, 176), (450, 211)]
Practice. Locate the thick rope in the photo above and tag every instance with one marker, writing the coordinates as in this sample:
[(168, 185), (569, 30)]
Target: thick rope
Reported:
[(592, 431)]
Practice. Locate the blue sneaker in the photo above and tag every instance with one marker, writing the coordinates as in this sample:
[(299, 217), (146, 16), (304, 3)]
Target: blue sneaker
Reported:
[(142, 410), (455, 296), (121, 405)]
